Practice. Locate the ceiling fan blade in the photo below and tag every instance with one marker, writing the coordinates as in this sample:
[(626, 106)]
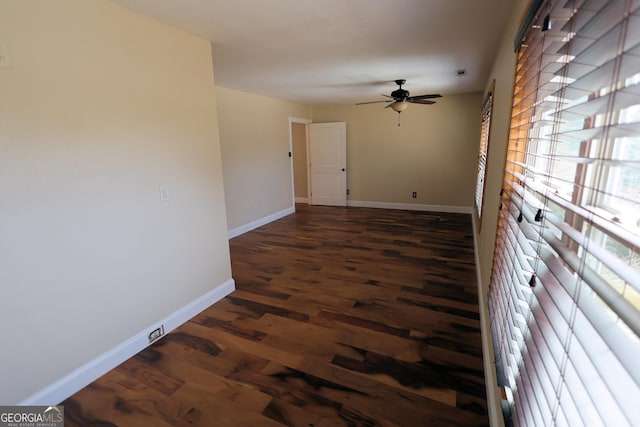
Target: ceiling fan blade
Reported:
[(388, 96), (430, 96), (372, 102), (421, 101)]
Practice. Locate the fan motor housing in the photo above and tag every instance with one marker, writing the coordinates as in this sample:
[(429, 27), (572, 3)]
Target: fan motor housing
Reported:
[(400, 94)]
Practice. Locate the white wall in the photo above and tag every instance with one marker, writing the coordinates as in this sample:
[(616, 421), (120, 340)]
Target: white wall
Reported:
[(254, 135), (433, 152), (100, 108)]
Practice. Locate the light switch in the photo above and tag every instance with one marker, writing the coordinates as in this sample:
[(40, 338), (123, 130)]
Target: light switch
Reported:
[(5, 59)]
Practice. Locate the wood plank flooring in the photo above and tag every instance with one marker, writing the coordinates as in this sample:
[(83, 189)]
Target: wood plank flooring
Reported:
[(341, 317)]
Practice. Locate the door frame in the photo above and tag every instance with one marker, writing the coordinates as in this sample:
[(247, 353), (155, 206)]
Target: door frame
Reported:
[(305, 122)]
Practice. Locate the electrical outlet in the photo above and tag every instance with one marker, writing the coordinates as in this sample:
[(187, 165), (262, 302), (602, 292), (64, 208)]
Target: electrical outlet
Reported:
[(414, 195), (156, 334)]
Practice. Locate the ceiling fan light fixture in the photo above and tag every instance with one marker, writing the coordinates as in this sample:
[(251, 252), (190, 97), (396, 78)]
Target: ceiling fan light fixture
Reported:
[(401, 98), (399, 106)]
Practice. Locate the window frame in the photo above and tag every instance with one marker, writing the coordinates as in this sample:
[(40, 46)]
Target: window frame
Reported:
[(483, 152)]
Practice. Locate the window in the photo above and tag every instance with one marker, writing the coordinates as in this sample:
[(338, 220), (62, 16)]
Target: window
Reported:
[(564, 297), (485, 132)]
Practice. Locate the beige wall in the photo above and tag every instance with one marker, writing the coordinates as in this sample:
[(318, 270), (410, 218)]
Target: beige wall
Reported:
[(433, 152), (100, 108), (299, 143), (254, 136), (503, 72)]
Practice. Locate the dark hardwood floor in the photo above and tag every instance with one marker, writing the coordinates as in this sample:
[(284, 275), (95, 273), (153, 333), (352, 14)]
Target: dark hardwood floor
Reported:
[(341, 317)]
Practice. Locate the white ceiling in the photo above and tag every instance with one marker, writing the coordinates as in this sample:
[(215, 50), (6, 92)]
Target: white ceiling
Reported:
[(342, 51)]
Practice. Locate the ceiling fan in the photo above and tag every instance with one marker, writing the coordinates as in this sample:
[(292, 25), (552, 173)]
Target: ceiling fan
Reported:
[(400, 99)]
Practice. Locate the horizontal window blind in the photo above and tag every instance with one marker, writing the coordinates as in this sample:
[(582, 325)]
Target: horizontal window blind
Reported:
[(485, 130), (564, 296)]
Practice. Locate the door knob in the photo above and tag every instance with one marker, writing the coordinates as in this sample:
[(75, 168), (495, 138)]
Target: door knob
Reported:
[(342, 169)]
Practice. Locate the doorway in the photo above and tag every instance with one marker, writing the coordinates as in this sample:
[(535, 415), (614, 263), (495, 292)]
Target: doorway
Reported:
[(298, 143), (318, 164)]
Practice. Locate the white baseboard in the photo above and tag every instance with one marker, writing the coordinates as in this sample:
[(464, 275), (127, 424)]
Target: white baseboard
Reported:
[(410, 206), (490, 377), (86, 374), (302, 200), (259, 222)]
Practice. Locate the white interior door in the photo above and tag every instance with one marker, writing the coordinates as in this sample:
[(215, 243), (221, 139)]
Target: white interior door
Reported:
[(328, 163)]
